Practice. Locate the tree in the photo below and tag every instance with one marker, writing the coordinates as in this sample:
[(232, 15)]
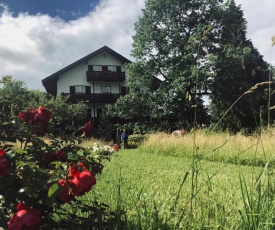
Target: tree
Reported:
[(199, 48), (171, 41), (13, 97), (238, 67)]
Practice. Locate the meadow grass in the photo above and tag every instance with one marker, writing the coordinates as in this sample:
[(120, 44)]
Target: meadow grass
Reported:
[(251, 150), (187, 183)]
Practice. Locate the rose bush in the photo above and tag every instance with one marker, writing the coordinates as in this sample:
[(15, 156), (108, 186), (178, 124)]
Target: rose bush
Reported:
[(38, 118), (41, 174)]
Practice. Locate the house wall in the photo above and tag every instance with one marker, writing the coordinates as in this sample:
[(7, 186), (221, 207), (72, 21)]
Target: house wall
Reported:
[(77, 75), (105, 59)]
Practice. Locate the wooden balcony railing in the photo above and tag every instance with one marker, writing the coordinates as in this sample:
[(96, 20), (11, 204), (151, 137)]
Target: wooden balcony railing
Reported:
[(105, 76), (93, 97)]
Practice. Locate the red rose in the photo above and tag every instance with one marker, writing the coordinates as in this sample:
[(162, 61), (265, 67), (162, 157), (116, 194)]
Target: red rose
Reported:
[(82, 184), (79, 182), (66, 195), (115, 147), (42, 116), (22, 206), (4, 166), (24, 218), (74, 171), (2, 152), (39, 118), (28, 116), (60, 155)]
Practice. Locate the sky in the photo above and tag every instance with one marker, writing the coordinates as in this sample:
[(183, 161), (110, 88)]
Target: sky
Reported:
[(40, 37)]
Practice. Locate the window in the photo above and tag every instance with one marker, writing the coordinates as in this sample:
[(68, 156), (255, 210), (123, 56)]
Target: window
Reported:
[(105, 89), (80, 89), (112, 68), (97, 68)]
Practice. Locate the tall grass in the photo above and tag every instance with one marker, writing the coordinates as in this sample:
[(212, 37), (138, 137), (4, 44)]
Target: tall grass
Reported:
[(222, 147), (152, 187)]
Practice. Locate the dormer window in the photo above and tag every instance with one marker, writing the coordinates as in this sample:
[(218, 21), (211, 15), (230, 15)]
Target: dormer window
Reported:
[(112, 68), (97, 68)]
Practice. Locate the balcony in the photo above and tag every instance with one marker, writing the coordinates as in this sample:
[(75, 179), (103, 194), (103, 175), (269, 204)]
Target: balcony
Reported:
[(105, 76), (94, 97)]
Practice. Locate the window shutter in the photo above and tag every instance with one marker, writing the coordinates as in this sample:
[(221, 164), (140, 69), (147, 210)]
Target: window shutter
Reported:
[(104, 68), (88, 89), (72, 89), (118, 69)]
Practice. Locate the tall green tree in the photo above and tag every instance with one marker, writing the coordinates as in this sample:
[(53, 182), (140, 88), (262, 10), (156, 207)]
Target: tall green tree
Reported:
[(171, 41), (13, 97), (238, 67)]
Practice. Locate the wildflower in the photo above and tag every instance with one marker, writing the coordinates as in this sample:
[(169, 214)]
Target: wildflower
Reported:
[(253, 88)]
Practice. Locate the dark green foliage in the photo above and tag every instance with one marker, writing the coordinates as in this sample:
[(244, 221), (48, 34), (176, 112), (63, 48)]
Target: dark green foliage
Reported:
[(170, 43), (105, 130), (238, 67), (16, 98), (196, 48), (136, 140), (13, 97)]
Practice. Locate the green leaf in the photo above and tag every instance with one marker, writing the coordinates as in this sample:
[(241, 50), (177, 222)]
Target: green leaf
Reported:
[(21, 151), (53, 189), (74, 157)]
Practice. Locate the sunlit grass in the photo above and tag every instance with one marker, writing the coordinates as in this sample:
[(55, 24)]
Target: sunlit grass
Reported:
[(146, 185), (170, 184), (249, 150)]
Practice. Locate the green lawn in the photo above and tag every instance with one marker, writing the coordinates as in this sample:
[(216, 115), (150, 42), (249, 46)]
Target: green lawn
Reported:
[(151, 191)]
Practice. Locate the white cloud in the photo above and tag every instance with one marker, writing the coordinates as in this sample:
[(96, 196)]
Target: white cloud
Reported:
[(260, 25), (34, 47)]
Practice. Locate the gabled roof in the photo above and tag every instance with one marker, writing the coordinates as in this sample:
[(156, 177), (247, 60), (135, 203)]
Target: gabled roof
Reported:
[(50, 82)]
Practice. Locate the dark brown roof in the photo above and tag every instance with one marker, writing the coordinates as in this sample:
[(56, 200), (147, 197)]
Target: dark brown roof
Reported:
[(50, 82)]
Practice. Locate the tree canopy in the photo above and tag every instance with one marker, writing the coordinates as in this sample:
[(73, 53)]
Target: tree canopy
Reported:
[(196, 48)]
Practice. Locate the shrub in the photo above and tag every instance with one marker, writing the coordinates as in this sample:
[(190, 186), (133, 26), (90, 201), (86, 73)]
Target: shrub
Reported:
[(37, 178), (136, 139)]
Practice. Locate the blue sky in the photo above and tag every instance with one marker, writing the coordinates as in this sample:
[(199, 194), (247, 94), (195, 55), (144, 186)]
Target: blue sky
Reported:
[(40, 37), (65, 9)]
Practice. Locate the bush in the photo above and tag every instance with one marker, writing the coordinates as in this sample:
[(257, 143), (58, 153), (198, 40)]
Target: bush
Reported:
[(136, 140), (37, 177)]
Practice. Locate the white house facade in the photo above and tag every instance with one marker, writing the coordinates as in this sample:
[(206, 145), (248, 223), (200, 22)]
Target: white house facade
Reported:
[(97, 79)]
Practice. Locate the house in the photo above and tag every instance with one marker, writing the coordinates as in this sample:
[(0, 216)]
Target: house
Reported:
[(97, 79)]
